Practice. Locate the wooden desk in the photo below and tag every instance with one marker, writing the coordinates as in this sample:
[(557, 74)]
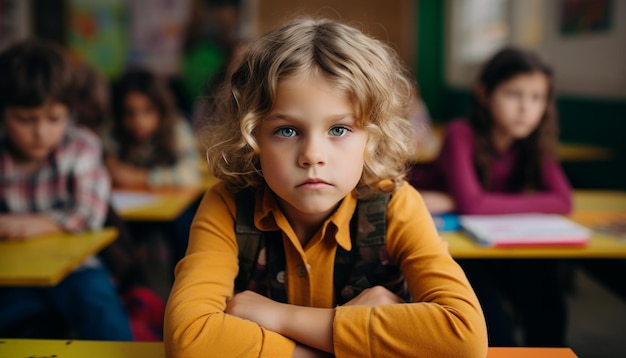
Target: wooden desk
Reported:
[(45, 261), (39, 348), (573, 152), (599, 201), (155, 205), (591, 208), (498, 352), (600, 246)]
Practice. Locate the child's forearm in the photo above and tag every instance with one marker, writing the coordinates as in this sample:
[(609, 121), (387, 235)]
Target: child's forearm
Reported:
[(24, 226), (307, 325)]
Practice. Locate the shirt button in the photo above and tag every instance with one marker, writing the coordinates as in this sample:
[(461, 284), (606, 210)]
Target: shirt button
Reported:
[(301, 270)]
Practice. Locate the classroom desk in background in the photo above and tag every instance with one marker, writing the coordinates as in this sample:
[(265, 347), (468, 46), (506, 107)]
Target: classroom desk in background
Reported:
[(154, 205), (461, 246), (46, 260), (20, 348), (592, 208)]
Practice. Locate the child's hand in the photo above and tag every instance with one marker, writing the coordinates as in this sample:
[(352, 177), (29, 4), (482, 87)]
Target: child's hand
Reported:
[(125, 175), (437, 202), (256, 308), (375, 296), (15, 227), (310, 326)]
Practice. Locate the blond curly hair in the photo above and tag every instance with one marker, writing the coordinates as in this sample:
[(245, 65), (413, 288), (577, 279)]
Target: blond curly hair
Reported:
[(368, 71)]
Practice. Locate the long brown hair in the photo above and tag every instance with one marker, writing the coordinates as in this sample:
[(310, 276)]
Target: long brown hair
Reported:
[(503, 66), (156, 89)]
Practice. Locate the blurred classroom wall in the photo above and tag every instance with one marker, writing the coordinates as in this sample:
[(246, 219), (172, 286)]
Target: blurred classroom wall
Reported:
[(442, 41), (584, 40)]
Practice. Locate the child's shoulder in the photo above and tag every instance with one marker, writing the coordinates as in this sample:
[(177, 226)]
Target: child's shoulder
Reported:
[(405, 192)]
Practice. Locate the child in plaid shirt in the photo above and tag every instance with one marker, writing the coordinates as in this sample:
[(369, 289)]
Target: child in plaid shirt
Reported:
[(52, 179)]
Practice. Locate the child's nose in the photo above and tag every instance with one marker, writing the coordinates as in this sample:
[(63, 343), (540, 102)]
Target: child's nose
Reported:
[(40, 129), (312, 153)]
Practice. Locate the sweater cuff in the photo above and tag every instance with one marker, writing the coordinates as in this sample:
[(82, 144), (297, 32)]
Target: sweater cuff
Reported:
[(349, 339), (276, 345)]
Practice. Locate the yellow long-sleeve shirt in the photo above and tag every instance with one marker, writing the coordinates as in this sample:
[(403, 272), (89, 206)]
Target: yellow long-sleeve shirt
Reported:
[(445, 319)]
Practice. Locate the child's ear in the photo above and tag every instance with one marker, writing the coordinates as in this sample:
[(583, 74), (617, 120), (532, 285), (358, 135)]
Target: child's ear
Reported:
[(480, 92)]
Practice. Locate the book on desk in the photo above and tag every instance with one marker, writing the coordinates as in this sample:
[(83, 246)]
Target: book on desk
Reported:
[(514, 230)]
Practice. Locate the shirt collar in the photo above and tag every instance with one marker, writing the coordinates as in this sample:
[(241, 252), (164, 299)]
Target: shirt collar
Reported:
[(269, 217)]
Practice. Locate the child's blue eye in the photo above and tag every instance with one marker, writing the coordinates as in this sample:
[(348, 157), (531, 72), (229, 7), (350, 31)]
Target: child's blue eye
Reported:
[(285, 132), (338, 131)]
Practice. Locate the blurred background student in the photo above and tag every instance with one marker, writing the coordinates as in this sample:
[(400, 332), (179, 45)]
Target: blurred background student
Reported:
[(499, 160), (145, 308), (53, 180), (150, 145)]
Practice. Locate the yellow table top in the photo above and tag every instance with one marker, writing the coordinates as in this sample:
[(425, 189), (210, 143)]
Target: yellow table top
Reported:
[(525, 352), (600, 246), (161, 205), (46, 260), (40, 348), (20, 348), (591, 208), (572, 152), (587, 201)]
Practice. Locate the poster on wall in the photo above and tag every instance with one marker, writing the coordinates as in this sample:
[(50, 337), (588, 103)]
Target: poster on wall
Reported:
[(13, 21), (96, 34), (581, 17), (157, 29)]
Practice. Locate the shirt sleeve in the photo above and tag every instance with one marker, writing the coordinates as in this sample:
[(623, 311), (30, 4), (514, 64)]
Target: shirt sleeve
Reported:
[(186, 170), (195, 322), (90, 182), (445, 318), (456, 161)]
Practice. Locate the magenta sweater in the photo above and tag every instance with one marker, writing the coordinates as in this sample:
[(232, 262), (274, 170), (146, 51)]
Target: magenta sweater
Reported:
[(455, 173)]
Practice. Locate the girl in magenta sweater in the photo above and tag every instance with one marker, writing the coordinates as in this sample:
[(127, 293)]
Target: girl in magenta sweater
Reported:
[(501, 160)]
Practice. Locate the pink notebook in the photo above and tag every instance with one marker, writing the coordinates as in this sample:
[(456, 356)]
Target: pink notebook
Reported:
[(524, 230)]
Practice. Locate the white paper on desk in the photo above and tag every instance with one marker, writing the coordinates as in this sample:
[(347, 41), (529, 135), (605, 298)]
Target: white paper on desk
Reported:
[(126, 200), (524, 230)]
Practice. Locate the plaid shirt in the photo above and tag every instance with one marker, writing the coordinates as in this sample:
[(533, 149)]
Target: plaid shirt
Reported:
[(71, 185), (184, 172)]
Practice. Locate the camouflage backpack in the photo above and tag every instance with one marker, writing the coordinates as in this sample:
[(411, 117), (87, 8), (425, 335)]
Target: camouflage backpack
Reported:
[(366, 265)]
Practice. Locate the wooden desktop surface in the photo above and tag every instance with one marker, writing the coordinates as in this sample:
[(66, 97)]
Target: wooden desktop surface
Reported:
[(20, 348), (502, 352), (46, 260), (591, 208), (167, 204)]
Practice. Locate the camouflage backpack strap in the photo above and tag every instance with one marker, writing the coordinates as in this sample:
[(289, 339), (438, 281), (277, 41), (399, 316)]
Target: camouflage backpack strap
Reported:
[(367, 264), (250, 240), (261, 254)]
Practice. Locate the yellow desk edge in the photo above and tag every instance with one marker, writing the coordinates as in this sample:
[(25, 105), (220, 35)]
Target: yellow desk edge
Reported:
[(19, 348), (100, 239)]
